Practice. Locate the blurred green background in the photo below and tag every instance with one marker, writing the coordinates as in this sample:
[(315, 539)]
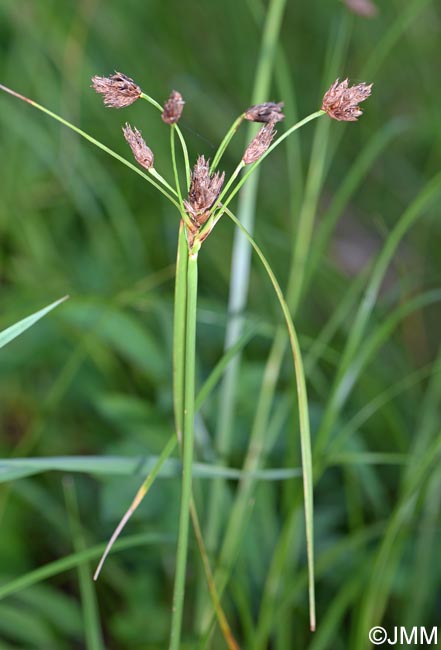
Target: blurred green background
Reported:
[(94, 377)]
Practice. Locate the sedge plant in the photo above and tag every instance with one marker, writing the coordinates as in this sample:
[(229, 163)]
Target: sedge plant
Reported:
[(200, 196)]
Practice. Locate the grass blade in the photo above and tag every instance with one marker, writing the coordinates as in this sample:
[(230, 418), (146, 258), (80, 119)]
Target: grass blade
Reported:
[(15, 330)]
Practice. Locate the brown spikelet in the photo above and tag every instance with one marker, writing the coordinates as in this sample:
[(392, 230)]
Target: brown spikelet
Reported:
[(204, 190), (341, 102), (118, 90), (259, 144), (365, 8), (267, 112), (143, 154), (173, 108)]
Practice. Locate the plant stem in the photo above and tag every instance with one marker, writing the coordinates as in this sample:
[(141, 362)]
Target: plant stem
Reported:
[(225, 142), (187, 459), (240, 271), (97, 143), (179, 327), (176, 128)]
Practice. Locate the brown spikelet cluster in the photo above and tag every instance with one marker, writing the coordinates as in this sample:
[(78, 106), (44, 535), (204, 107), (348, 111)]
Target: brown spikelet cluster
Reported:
[(118, 90), (143, 154), (204, 190), (341, 100), (266, 112), (259, 144), (173, 108), (365, 8)]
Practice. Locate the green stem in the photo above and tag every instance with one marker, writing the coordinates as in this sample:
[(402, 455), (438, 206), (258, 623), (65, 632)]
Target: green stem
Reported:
[(174, 165), (240, 272), (179, 329), (215, 218), (225, 142), (187, 460), (158, 106), (275, 144), (98, 144)]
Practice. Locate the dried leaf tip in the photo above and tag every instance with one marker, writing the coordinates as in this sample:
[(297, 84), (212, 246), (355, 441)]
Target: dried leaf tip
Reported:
[(259, 144), (365, 8), (267, 112), (204, 191), (118, 90), (341, 102), (173, 108), (143, 154)]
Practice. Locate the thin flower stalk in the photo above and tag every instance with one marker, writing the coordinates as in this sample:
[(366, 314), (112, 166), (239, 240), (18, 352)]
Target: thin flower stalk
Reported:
[(226, 141), (160, 183), (254, 165), (179, 355), (222, 202), (158, 106)]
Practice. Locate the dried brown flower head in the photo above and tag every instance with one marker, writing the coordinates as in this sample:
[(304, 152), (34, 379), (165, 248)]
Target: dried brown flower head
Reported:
[(341, 102), (365, 8), (259, 144), (143, 154), (204, 190), (267, 112), (173, 108), (118, 90)]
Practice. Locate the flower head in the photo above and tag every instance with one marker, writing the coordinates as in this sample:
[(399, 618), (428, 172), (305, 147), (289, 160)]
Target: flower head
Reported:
[(365, 8), (259, 144), (267, 112), (204, 190), (143, 154), (118, 90), (173, 108), (341, 102)]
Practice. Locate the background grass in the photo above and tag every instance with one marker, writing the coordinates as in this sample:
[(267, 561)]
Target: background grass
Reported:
[(94, 377)]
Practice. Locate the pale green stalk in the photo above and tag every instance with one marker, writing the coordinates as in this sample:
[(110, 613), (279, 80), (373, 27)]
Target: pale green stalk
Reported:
[(240, 271), (174, 165), (187, 456), (179, 327), (302, 232)]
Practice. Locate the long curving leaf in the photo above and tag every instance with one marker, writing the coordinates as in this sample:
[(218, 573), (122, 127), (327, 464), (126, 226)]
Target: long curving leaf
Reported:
[(305, 435)]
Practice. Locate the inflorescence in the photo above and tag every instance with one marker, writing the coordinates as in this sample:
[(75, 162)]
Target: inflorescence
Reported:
[(340, 102)]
